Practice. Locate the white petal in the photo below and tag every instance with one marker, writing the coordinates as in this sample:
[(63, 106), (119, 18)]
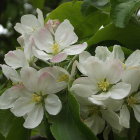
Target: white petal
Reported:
[(29, 77), (10, 95), (114, 72), (11, 73), (75, 49), (40, 17), (83, 56), (96, 69), (95, 123), (133, 59), (120, 90), (102, 53), (113, 104), (44, 40), (117, 53), (30, 21), (34, 118), (22, 106), (124, 117), (59, 57), (16, 59), (136, 109), (53, 104), (65, 35), (112, 118), (18, 27), (132, 76), (45, 81), (42, 55), (95, 101), (84, 87)]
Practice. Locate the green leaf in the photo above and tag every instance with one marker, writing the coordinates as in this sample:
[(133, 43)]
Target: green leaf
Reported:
[(2, 137), (68, 125), (38, 3), (90, 6), (122, 10), (11, 127), (6, 122), (127, 37), (85, 26), (18, 132)]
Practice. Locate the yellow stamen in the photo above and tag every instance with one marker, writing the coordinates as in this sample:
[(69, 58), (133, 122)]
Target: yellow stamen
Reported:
[(103, 85), (36, 98), (63, 77), (131, 100), (55, 48), (124, 66)]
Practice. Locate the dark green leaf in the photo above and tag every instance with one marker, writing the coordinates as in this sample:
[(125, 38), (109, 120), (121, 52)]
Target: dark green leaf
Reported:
[(122, 10), (2, 137), (18, 132), (6, 121), (128, 36), (68, 125), (84, 26)]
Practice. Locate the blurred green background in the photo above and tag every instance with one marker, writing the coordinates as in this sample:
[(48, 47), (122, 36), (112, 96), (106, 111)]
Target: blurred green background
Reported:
[(11, 12)]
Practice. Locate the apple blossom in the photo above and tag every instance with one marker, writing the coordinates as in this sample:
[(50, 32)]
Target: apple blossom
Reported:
[(35, 92), (102, 81), (57, 47)]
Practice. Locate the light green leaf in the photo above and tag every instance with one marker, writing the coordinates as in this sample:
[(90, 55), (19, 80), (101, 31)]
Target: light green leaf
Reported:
[(85, 26), (38, 3), (128, 36), (68, 125), (122, 10)]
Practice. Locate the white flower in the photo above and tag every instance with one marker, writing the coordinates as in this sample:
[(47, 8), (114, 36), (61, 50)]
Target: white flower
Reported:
[(132, 61), (102, 81), (30, 97), (29, 23), (95, 117), (131, 76), (57, 47)]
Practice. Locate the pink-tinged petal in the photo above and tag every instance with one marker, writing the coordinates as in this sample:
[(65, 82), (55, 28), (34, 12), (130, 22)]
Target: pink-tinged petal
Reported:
[(29, 77), (8, 98), (16, 59), (59, 58), (45, 81), (44, 40), (75, 49)]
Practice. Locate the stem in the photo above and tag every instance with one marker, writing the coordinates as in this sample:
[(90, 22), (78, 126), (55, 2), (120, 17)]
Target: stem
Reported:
[(71, 62)]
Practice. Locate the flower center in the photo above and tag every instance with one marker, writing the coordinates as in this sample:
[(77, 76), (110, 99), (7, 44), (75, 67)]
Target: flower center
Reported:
[(93, 110), (131, 100), (103, 85), (36, 98), (63, 77), (55, 48)]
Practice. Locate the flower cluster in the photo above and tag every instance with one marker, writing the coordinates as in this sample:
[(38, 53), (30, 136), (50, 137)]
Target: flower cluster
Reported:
[(34, 89), (107, 87)]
